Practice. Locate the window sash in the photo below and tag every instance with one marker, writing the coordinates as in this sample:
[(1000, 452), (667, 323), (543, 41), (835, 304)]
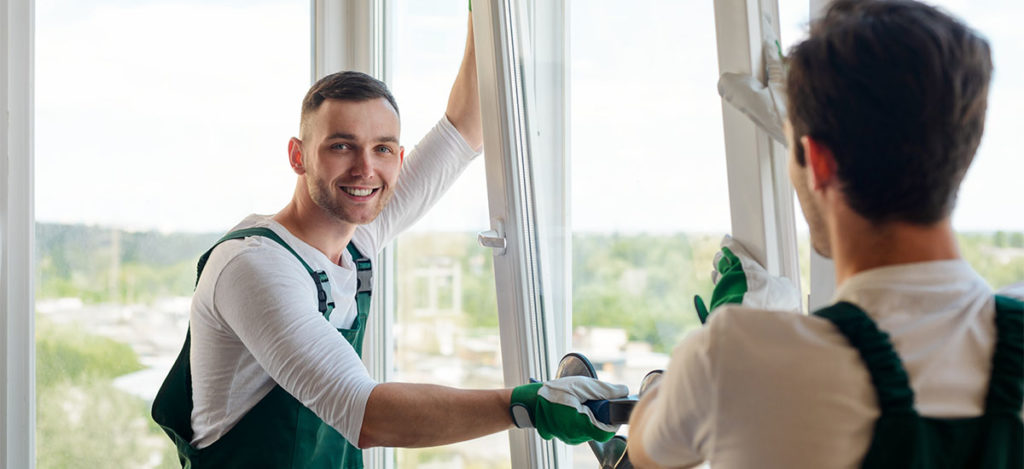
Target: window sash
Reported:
[(760, 196), (531, 335)]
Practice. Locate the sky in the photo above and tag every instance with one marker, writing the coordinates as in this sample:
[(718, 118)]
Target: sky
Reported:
[(175, 115)]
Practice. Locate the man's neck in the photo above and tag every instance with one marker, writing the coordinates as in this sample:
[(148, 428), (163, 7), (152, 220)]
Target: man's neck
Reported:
[(858, 245), (314, 226)]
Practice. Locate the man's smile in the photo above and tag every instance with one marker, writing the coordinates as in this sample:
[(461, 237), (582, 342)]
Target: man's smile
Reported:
[(360, 192)]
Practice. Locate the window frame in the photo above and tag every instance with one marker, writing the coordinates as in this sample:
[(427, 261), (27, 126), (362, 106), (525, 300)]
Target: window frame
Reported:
[(354, 34), (526, 315), (760, 196), (17, 231)]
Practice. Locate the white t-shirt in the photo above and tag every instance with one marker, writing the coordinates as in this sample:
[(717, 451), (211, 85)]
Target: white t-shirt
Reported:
[(769, 389), (254, 319)]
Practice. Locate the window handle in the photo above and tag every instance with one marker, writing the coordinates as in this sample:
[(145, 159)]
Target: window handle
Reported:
[(494, 238)]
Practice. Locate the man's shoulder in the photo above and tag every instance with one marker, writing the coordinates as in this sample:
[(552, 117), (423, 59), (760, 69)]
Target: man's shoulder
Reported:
[(733, 317), (1015, 291), (253, 256), (737, 332)]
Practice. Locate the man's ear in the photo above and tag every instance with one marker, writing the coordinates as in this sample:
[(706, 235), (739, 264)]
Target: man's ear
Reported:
[(401, 156), (295, 156), (820, 160)]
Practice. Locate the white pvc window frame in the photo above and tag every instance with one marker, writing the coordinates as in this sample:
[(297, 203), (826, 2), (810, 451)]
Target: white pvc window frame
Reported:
[(760, 195), (17, 221), (532, 337)]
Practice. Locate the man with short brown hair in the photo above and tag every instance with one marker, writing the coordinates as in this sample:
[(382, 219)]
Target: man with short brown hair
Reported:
[(270, 374), (917, 364)]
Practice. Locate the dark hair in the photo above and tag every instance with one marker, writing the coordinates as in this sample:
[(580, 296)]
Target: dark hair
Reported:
[(345, 86), (897, 90)]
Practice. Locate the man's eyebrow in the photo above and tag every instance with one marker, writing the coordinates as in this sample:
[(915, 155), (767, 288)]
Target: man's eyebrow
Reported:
[(344, 136)]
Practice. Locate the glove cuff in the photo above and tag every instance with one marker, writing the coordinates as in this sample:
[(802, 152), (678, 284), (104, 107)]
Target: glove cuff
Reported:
[(523, 403)]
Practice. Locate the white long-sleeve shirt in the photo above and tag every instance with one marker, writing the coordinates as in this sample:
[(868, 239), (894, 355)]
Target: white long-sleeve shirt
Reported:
[(254, 318), (767, 389)]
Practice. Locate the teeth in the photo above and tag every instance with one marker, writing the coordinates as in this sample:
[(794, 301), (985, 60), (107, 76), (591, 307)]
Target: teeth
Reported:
[(358, 192)]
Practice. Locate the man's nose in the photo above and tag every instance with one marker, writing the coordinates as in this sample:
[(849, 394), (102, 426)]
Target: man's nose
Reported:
[(362, 166)]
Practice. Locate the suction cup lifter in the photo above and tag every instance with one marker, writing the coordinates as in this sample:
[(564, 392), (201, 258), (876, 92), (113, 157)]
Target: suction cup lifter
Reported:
[(613, 453), (613, 411)]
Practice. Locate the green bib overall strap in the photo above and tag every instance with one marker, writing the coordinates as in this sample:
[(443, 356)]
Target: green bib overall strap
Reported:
[(904, 439), (364, 287), (278, 432)]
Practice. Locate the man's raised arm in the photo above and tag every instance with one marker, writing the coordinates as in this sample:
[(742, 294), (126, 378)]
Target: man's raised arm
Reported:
[(464, 101)]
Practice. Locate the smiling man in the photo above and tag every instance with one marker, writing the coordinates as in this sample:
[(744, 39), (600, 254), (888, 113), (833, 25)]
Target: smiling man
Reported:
[(270, 374)]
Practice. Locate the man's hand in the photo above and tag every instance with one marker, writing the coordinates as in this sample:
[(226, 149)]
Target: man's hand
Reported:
[(556, 408), (464, 101), (764, 104), (739, 279)]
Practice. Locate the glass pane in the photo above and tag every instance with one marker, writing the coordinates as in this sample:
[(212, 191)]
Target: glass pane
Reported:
[(649, 189), (793, 21), (446, 323), (986, 218), (159, 125)]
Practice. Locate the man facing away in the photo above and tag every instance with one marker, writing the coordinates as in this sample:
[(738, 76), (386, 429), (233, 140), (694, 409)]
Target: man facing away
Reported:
[(270, 374), (917, 364)]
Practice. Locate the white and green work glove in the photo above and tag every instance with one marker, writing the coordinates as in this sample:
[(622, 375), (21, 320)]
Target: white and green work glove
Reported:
[(740, 279), (765, 104), (555, 408)]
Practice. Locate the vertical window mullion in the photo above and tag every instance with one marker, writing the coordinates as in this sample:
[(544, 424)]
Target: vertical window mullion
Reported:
[(17, 337), (760, 198)]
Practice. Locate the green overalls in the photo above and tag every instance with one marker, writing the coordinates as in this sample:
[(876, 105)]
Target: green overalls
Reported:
[(904, 439), (279, 432)]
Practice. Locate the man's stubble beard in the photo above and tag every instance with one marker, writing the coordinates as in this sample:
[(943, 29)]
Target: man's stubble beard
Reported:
[(324, 197), (815, 221)]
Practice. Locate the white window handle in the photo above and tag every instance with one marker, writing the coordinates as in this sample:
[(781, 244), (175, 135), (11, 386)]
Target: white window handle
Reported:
[(494, 238)]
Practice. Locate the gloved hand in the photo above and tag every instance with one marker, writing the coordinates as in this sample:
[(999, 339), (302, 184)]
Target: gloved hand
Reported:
[(739, 279), (556, 408), (764, 104)]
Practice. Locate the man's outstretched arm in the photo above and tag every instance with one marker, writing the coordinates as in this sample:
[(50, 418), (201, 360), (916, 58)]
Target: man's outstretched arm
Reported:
[(418, 415), (464, 101)]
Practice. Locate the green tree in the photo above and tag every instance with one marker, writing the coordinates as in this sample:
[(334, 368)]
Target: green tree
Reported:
[(999, 240), (1017, 239)]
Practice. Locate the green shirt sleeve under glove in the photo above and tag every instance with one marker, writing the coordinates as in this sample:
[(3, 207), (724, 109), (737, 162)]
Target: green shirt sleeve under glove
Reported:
[(555, 408)]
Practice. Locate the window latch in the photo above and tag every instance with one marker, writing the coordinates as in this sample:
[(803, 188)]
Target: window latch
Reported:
[(494, 238)]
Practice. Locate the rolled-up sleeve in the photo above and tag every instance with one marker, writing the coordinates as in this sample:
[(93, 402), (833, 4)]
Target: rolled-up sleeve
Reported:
[(276, 318)]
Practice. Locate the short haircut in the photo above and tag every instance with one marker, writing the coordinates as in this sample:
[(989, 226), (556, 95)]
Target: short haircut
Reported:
[(897, 90), (344, 86)]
